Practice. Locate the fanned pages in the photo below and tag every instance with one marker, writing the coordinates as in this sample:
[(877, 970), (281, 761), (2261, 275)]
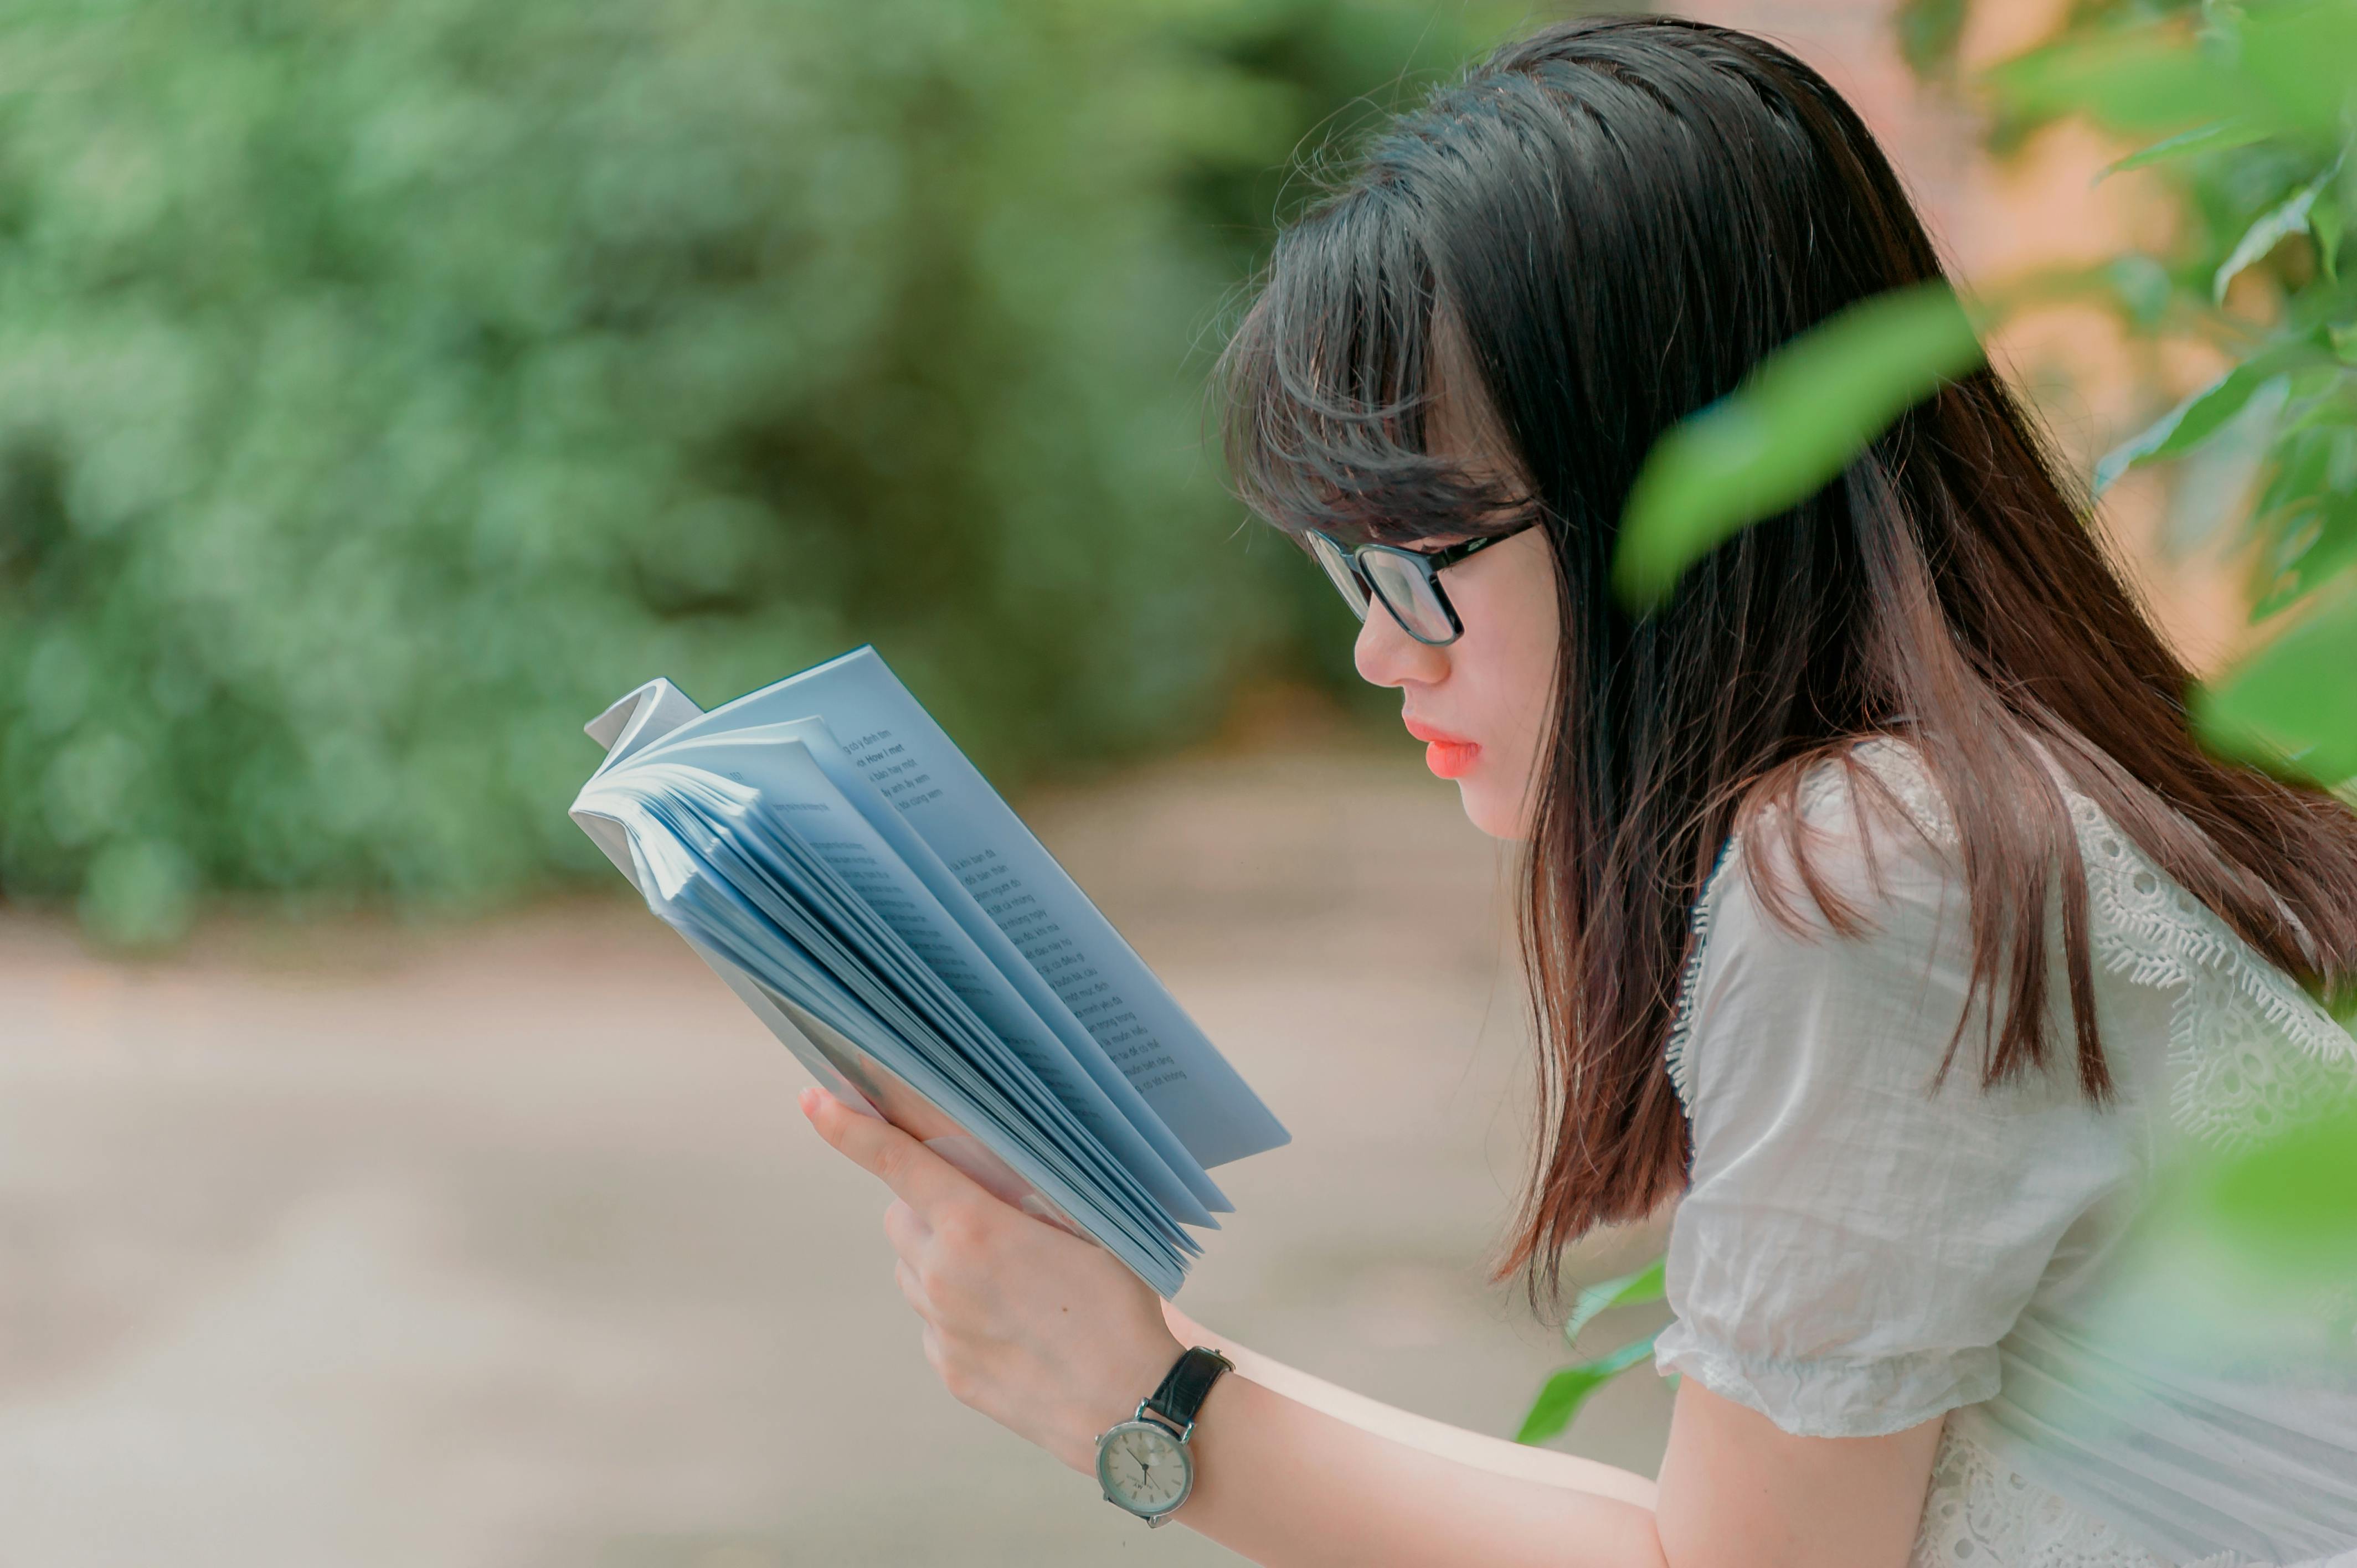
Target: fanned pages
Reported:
[(835, 858)]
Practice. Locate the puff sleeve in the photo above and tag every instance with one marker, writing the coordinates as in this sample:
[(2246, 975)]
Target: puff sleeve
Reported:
[(1854, 1241)]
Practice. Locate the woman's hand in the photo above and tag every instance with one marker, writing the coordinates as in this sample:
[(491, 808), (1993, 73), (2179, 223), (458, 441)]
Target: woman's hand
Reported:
[(1046, 1334)]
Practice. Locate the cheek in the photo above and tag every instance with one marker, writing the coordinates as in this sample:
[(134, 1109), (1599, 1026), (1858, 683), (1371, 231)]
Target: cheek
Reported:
[(1523, 725), (1514, 666), (1525, 666)]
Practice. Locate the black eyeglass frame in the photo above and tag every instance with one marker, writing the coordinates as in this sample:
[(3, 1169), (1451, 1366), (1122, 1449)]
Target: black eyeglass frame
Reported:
[(1430, 563)]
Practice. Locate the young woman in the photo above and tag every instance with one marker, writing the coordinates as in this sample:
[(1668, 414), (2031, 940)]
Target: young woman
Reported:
[(1877, 899)]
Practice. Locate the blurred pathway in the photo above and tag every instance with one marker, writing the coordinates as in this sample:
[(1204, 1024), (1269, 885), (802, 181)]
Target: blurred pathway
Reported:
[(358, 1246)]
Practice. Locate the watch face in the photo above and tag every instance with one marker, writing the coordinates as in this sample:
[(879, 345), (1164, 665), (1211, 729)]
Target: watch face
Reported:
[(1144, 1467)]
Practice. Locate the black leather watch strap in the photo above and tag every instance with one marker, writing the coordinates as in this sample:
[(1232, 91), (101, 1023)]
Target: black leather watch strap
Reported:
[(1184, 1387)]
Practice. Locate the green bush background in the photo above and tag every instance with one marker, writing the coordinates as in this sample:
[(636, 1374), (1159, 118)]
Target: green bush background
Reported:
[(386, 387)]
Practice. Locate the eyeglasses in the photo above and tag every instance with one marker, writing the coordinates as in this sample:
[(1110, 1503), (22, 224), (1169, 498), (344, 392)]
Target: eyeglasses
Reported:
[(1407, 581)]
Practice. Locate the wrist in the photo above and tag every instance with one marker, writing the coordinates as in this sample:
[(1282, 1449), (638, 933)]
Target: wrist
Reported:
[(1146, 1462), (1129, 1378)]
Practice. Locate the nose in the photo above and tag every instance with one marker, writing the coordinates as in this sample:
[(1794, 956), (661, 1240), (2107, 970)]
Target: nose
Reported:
[(1387, 656)]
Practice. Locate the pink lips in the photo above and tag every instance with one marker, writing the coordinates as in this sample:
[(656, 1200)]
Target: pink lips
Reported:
[(1445, 754)]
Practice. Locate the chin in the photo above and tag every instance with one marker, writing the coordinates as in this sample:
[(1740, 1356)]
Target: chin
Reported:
[(1499, 819)]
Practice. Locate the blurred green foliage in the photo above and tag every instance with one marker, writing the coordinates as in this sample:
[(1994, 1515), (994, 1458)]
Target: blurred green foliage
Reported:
[(1795, 422), (2289, 1204), (2253, 109), (1560, 1397), (385, 388)]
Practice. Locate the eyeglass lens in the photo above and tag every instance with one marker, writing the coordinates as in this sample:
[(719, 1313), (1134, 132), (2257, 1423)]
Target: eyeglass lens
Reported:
[(1408, 589), (1339, 570)]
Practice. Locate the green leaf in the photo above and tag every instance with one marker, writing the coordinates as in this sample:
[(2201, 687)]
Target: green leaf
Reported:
[(2132, 81), (2296, 57), (1929, 32), (2204, 413), (2283, 69), (2142, 285), (2313, 462), (2293, 703), (2306, 517), (2336, 411), (2287, 218), (1804, 413), (1629, 1290), (2318, 543), (2289, 1206), (2217, 136), (1565, 1393)]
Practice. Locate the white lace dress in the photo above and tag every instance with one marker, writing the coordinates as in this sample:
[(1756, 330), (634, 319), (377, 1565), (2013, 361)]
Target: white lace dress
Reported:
[(1860, 1250)]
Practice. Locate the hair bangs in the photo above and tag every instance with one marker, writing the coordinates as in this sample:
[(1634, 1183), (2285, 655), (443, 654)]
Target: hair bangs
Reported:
[(1333, 379)]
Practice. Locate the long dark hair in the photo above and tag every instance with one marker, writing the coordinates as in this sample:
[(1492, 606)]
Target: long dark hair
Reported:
[(1610, 222)]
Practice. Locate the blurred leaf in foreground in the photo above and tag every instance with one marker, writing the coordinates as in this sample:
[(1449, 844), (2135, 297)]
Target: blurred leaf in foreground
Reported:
[(2283, 67), (2219, 136), (2289, 1206), (2295, 700), (2137, 82), (1560, 1399), (1629, 1290), (1565, 1393), (1795, 422), (2255, 1248), (2204, 413), (2287, 218)]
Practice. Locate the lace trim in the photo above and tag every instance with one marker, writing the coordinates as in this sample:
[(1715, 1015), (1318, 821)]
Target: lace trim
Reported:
[(2249, 1050), (1982, 1513), (1674, 1055)]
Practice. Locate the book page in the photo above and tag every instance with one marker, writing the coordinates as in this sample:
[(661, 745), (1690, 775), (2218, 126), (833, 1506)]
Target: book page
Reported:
[(1016, 971), (915, 766), (719, 910), (792, 784), (725, 866)]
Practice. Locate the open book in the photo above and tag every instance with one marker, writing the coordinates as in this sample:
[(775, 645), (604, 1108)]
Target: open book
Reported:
[(835, 858)]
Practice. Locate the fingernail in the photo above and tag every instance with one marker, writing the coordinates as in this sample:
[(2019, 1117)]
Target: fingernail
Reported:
[(808, 1101)]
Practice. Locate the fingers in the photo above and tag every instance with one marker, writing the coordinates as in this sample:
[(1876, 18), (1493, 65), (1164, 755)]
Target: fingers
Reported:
[(912, 1289), (914, 1172), (905, 1228)]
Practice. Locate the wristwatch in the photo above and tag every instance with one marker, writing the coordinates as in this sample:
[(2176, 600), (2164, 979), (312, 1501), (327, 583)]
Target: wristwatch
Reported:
[(1144, 1464)]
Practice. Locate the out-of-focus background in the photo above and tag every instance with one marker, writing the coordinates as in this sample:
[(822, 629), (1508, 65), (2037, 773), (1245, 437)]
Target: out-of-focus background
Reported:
[(383, 389)]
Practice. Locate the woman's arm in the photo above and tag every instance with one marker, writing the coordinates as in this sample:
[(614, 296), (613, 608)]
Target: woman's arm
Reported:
[(1478, 1450), (1051, 1337), (1287, 1485)]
